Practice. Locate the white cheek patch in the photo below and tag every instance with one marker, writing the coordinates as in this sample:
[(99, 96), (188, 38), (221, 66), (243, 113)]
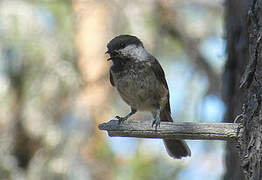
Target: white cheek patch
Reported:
[(136, 52)]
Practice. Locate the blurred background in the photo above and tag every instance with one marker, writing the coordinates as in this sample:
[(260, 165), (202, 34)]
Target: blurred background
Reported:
[(54, 87)]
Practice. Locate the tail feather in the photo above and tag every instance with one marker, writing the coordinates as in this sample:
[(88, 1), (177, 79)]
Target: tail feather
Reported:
[(175, 148)]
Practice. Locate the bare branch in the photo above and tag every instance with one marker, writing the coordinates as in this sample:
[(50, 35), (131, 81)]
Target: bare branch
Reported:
[(197, 131)]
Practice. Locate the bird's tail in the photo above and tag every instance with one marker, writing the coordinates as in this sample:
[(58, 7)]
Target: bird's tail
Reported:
[(175, 148)]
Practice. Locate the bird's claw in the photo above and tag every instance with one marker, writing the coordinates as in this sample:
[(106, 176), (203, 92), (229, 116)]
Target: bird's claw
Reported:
[(121, 119), (156, 122)]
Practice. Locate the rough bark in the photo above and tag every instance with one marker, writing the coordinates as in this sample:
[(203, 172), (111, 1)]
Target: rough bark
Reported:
[(237, 58), (251, 83), (242, 87)]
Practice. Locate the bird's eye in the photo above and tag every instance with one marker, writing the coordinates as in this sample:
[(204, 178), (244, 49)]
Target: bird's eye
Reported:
[(122, 45)]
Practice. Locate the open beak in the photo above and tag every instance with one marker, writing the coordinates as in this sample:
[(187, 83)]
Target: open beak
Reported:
[(113, 54), (109, 59), (108, 52)]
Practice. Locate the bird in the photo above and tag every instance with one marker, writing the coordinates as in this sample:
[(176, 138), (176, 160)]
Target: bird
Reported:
[(140, 80)]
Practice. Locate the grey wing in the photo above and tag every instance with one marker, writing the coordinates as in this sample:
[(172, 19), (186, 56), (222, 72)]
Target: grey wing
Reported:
[(159, 72), (160, 75), (111, 78)]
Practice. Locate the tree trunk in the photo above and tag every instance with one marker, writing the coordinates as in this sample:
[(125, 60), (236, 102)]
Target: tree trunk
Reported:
[(242, 87), (92, 31)]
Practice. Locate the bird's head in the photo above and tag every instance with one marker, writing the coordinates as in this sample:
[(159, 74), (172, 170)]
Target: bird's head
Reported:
[(126, 48)]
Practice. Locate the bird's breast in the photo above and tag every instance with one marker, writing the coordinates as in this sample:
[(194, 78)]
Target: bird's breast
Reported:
[(138, 86)]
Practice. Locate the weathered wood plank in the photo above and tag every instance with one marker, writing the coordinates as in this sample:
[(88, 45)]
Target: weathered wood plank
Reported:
[(197, 131)]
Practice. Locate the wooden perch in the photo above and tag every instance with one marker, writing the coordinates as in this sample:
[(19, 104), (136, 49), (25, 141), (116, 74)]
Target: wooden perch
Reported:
[(197, 131)]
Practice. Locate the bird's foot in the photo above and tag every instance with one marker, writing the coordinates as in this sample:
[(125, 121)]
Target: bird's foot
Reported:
[(121, 119), (156, 122)]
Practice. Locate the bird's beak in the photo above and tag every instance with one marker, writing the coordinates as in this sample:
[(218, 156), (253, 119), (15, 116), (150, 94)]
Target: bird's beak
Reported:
[(107, 52), (113, 54), (109, 59)]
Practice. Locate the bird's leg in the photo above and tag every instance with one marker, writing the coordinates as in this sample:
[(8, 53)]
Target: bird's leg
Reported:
[(156, 121), (122, 119)]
